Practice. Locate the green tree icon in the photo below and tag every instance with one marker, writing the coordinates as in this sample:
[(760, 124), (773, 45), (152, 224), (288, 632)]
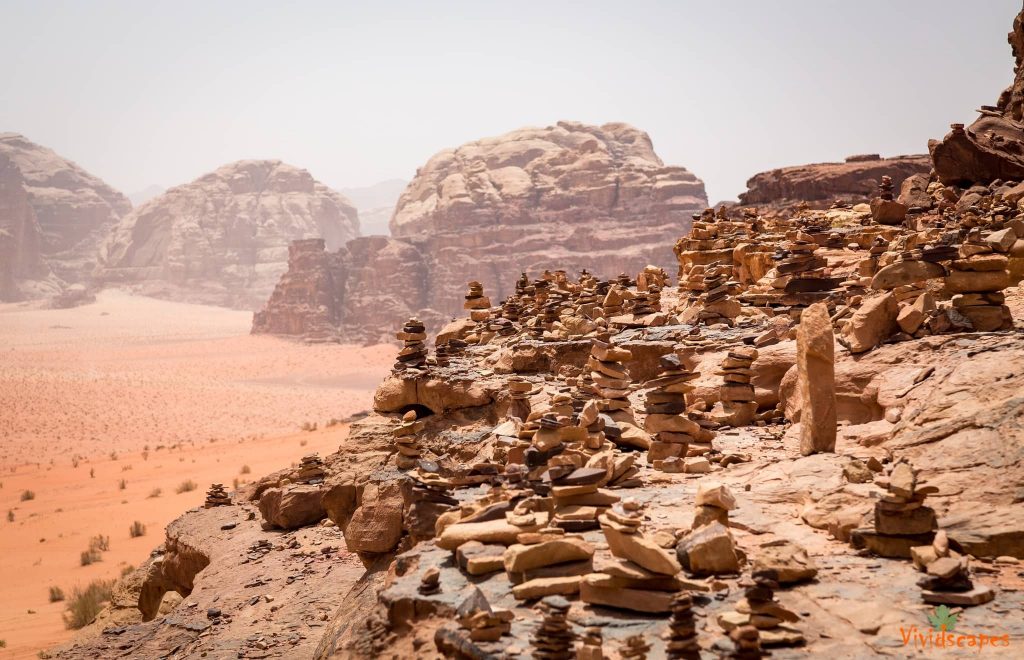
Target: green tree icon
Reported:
[(943, 620)]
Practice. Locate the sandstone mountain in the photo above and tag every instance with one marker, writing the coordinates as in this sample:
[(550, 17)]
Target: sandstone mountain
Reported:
[(565, 196), (223, 239), (74, 210), (22, 269), (855, 180)]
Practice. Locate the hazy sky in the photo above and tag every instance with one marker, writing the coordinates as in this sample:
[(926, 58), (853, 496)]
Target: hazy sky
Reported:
[(357, 92)]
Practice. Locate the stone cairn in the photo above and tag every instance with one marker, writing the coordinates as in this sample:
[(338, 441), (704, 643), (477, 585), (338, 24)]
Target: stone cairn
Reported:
[(884, 209), (406, 445), (613, 302), (592, 645), (665, 404), (736, 392), (758, 608), (481, 621), (746, 643), (709, 548), (634, 647), (611, 384), (217, 496), (947, 580), (476, 302), (311, 470), (978, 277), (681, 636), (430, 581), (553, 639), (414, 348), (901, 519)]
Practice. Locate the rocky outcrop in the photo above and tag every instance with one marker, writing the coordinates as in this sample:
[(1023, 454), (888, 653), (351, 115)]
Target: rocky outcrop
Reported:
[(223, 239), (74, 210), (21, 264), (993, 146), (856, 179), (565, 196)]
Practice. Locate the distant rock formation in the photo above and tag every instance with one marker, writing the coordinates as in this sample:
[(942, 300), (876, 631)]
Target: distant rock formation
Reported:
[(223, 239), (993, 146), (74, 210), (856, 179), (23, 273), (569, 195)]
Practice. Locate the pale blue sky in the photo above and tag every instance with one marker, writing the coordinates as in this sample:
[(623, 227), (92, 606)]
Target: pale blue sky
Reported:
[(358, 92)]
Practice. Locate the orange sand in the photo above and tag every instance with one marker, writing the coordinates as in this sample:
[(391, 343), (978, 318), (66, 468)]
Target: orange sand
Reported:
[(105, 381)]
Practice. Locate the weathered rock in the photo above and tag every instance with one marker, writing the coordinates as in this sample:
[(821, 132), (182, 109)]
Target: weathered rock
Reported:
[(870, 325), (293, 506), (902, 273), (22, 270), (376, 525), (222, 239), (709, 550), (816, 381), (520, 558), (785, 563), (856, 179)]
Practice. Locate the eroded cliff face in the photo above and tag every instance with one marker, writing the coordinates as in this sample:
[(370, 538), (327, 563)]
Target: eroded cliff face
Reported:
[(565, 196), (21, 264), (993, 146), (74, 210), (223, 239), (856, 179)]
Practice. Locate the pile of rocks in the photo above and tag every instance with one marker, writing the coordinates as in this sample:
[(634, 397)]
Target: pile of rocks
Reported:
[(978, 278), (414, 347), (591, 645), (948, 580), (709, 548), (642, 577), (476, 302), (758, 608), (634, 647), (901, 519), (739, 406), (885, 210), (667, 419), (553, 639), (406, 445), (481, 621), (681, 636), (217, 496), (611, 386), (311, 470)]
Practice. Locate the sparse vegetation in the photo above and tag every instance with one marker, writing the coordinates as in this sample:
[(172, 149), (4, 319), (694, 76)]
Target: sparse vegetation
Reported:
[(92, 473), (308, 426), (186, 486), (27, 495), (88, 557), (56, 594), (99, 542), (137, 529), (302, 443), (154, 493), (74, 462), (10, 515), (234, 483), (121, 485), (3, 643), (86, 604), (245, 470), (127, 569)]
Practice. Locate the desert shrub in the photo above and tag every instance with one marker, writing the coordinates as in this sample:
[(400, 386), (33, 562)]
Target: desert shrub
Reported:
[(126, 570), (27, 495), (10, 515), (186, 486), (86, 604), (245, 470), (121, 485), (154, 493), (90, 556), (137, 529), (56, 594), (99, 542)]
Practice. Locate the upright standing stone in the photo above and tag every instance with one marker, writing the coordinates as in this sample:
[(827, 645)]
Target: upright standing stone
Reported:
[(816, 380)]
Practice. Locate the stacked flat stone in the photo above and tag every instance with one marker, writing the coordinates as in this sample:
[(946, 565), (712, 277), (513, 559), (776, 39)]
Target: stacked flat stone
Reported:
[(481, 621), (613, 303), (641, 577), (217, 496), (406, 443), (978, 277), (553, 639), (681, 636), (414, 348), (476, 302), (801, 278), (634, 647), (884, 209), (736, 392), (611, 382), (430, 581), (442, 354), (759, 609), (590, 419), (667, 419), (901, 519), (709, 548), (311, 470), (948, 580), (592, 645)]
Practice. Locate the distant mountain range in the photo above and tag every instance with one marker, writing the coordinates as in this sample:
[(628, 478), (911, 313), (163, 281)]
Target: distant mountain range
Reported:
[(375, 203)]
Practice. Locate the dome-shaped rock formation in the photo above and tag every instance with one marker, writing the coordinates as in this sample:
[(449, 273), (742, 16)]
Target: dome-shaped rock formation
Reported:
[(223, 239), (22, 270), (74, 210)]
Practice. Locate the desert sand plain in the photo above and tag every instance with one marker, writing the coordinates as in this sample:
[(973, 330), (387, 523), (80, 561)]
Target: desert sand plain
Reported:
[(153, 394)]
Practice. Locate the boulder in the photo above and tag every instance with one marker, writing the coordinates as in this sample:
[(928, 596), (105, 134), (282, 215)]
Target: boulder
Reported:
[(709, 550), (816, 381), (293, 506), (376, 525), (872, 324), (786, 563)]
